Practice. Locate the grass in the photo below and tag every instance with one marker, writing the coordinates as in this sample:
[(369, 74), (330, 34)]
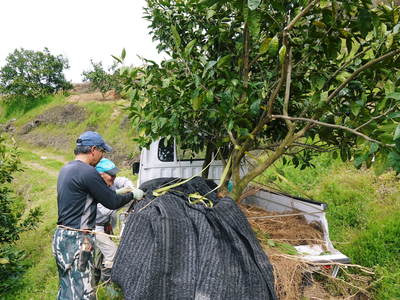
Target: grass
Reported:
[(36, 187), (24, 109)]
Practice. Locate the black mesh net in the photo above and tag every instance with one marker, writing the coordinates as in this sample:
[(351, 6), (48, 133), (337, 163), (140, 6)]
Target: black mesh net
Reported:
[(174, 249)]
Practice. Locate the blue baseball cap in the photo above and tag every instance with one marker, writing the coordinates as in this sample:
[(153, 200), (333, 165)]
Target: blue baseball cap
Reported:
[(91, 138), (107, 166)]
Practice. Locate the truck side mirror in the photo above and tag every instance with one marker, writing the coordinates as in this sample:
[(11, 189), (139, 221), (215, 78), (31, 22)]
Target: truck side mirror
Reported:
[(135, 167)]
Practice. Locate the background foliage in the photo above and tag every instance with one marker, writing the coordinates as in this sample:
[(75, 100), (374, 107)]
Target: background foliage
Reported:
[(103, 80), (33, 74)]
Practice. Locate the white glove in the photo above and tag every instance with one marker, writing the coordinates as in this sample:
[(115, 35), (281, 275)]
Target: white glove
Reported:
[(137, 193)]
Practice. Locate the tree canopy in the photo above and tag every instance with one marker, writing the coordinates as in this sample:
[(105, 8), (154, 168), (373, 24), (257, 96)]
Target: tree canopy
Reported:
[(285, 78), (33, 74), (103, 80)]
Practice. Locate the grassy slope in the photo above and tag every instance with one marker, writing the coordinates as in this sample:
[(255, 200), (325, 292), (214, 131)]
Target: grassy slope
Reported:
[(363, 209), (36, 185)]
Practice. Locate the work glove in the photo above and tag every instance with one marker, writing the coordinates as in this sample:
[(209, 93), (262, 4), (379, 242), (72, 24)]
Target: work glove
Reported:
[(137, 193)]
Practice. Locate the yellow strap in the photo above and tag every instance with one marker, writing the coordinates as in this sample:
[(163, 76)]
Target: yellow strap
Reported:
[(199, 198)]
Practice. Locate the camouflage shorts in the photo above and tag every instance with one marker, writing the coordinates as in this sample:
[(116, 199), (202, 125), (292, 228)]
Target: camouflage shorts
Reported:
[(75, 267)]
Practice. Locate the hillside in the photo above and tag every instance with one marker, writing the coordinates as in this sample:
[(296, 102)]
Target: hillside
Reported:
[(363, 214)]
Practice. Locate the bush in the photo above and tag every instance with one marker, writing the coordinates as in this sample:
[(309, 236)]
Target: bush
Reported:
[(12, 224), (33, 74)]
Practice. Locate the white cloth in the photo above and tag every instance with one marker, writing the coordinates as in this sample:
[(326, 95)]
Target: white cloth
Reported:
[(106, 246), (105, 215)]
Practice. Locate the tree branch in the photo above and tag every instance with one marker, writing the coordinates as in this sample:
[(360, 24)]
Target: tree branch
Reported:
[(345, 66), (374, 118), (332, 126), (300, 15), (288, 85), (246, 51), (359, 70)]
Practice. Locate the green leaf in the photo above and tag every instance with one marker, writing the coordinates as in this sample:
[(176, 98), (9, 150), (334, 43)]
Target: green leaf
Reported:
[(196, 102), (394, 115), (369, 55), (117, 59), (210, 13), (223, 60), (395, 96), (358, 161), (355, 108), (394, 161), (282, 53), (271, 243), (210, 96), (123, 54), (389, 41), (176, 37), (210, 64), (324, 96), (324, 3), (189, 47), (273, 46), (265, 45), (253, 22), (397, 133), (373, 148), (342, 76), (255, 106), (253, 4)]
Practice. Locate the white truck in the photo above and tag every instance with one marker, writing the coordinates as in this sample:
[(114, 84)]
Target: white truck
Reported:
[(166, 160)]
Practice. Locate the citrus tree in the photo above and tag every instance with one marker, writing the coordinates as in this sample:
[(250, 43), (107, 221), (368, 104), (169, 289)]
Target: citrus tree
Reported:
[(33, 74), (273, 79)]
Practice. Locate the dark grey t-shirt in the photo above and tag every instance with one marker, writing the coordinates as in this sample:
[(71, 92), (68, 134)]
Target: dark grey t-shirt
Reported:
[(79, 189)]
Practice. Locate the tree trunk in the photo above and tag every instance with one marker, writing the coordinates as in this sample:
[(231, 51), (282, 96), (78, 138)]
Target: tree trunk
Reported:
[(209, 151)]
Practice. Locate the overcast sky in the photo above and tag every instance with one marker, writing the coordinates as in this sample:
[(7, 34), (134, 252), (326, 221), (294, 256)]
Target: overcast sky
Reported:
[(79, 30)]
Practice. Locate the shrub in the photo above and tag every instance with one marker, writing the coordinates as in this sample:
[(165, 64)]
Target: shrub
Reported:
[(103, 80), (33, 74), (12, 224)]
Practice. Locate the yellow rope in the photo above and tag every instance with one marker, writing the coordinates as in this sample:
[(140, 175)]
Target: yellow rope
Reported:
[(165, 189)]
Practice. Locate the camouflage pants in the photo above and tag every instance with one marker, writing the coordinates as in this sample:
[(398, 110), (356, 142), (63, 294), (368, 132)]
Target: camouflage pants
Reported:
[(75, 267)]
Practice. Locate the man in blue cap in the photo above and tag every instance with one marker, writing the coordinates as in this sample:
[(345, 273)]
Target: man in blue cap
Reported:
[(105, 217), (79, 189)]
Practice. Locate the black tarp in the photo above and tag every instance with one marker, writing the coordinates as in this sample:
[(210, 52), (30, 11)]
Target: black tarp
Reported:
[(171, 249)]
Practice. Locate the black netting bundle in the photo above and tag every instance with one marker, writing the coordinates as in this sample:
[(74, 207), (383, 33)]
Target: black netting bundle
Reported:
[(171, 249)]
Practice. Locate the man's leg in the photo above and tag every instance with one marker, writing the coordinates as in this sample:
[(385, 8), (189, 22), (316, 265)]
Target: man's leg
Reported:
[(75, 269), (108, 248)]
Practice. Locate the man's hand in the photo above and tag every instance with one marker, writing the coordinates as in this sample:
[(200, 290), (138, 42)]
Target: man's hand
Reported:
[(137, 193)]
